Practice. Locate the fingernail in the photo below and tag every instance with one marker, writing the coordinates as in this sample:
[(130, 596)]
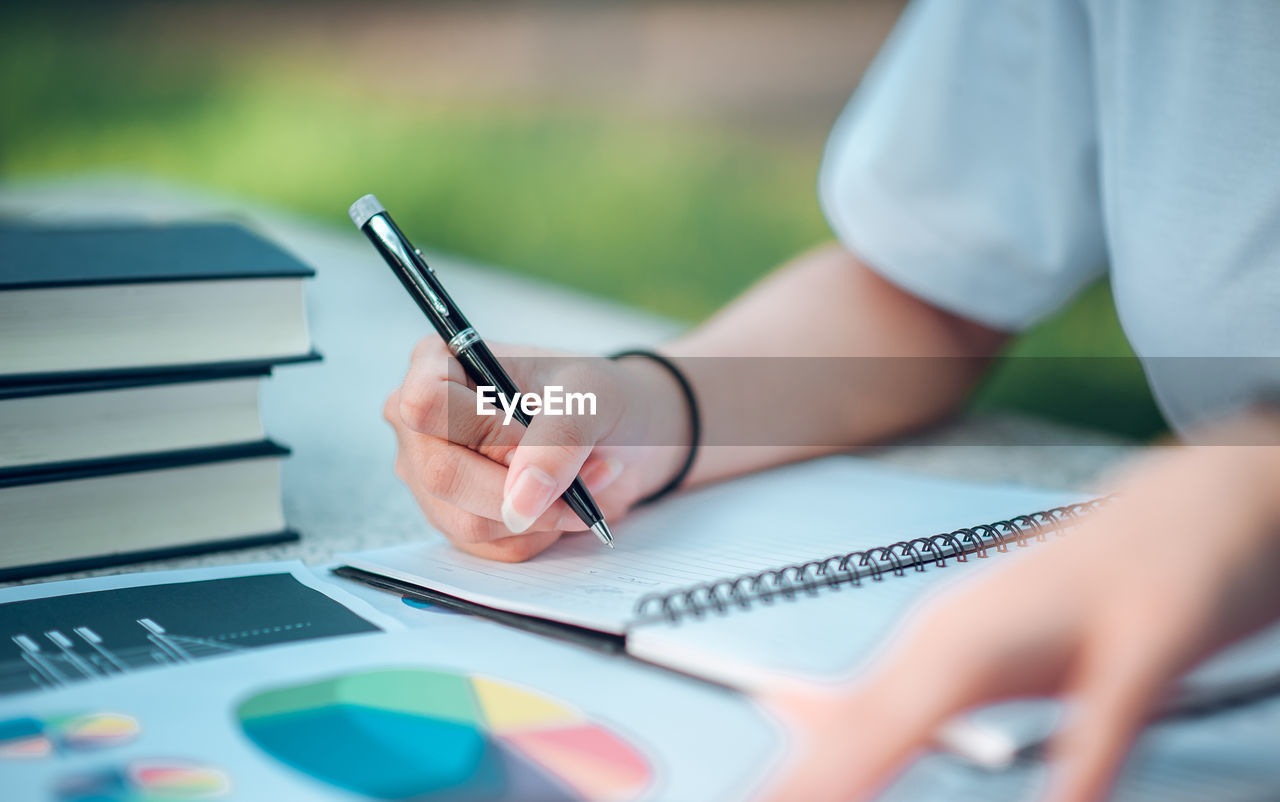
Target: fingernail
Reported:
[(528, 498), (603, 473)]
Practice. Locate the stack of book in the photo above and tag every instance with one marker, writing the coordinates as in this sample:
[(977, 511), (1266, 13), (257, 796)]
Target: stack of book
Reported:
[(130, 364)]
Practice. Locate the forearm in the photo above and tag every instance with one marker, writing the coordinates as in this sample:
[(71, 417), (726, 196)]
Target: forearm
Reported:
[(822, 356)]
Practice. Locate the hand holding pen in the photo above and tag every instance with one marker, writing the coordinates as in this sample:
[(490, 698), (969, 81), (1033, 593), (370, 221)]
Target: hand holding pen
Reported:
[(479, 481)]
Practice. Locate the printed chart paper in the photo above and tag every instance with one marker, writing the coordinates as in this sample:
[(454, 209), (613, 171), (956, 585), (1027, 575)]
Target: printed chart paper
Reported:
[(462, 709), (57, 634)]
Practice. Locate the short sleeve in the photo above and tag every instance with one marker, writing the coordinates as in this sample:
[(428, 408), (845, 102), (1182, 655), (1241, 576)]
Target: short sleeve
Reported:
[(965, 169)]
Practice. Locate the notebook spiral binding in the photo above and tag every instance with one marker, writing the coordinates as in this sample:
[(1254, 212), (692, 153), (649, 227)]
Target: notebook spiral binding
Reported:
[(853, 568)]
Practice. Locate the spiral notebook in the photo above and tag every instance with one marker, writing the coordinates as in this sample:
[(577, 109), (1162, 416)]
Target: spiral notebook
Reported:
[(800, 572)]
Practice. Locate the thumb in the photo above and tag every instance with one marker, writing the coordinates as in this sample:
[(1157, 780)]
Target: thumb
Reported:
[(548, 458)]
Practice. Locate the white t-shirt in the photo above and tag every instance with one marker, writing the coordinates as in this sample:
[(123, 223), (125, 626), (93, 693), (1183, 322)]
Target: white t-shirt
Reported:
[(1000, 154)]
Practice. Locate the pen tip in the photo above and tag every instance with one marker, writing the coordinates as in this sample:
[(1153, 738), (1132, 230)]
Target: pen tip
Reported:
[(602, 531)]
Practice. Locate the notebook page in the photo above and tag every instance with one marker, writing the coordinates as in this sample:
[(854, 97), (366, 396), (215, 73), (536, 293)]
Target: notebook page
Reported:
[(792, 514), (824, 637)]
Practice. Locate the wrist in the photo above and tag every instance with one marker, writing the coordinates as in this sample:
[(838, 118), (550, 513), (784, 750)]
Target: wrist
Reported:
[(664, 428)]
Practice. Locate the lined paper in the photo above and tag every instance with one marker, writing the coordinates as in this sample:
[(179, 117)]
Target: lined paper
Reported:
[(789, 515), (825, 637)]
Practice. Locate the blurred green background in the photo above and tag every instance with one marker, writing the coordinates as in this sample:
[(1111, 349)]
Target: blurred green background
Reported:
[(662, 154)]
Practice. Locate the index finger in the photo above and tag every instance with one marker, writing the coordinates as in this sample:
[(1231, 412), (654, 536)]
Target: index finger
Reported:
[(457, 475)]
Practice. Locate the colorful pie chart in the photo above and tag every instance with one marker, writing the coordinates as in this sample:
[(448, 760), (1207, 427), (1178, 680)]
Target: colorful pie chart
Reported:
[(145, 781), (415, 734), (24, 738), (95, 731), (28, 737)]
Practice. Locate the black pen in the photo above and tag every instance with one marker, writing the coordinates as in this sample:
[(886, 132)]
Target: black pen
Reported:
[(464, 343)]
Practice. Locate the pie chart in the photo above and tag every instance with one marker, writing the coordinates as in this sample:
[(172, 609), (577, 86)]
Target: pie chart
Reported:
[(28, 737), (418, 734), (149, 780)]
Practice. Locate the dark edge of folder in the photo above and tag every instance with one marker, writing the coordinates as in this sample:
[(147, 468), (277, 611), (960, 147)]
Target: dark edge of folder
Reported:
[(158, 372), (582, 636), (137, 463), (146, 555)]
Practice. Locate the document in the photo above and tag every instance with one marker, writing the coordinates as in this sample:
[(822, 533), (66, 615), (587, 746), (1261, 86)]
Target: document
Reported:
[(57, 634), (461, 709)]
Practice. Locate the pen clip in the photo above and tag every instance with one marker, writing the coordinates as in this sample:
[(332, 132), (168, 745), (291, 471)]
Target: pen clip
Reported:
[(389, 238)]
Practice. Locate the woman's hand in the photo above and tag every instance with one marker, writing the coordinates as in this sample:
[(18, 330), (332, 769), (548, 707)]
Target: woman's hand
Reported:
[(494, 489), (1184, 561)]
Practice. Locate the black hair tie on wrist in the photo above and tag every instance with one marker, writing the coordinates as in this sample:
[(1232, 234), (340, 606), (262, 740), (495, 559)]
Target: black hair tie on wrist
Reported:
[(695, 420)]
